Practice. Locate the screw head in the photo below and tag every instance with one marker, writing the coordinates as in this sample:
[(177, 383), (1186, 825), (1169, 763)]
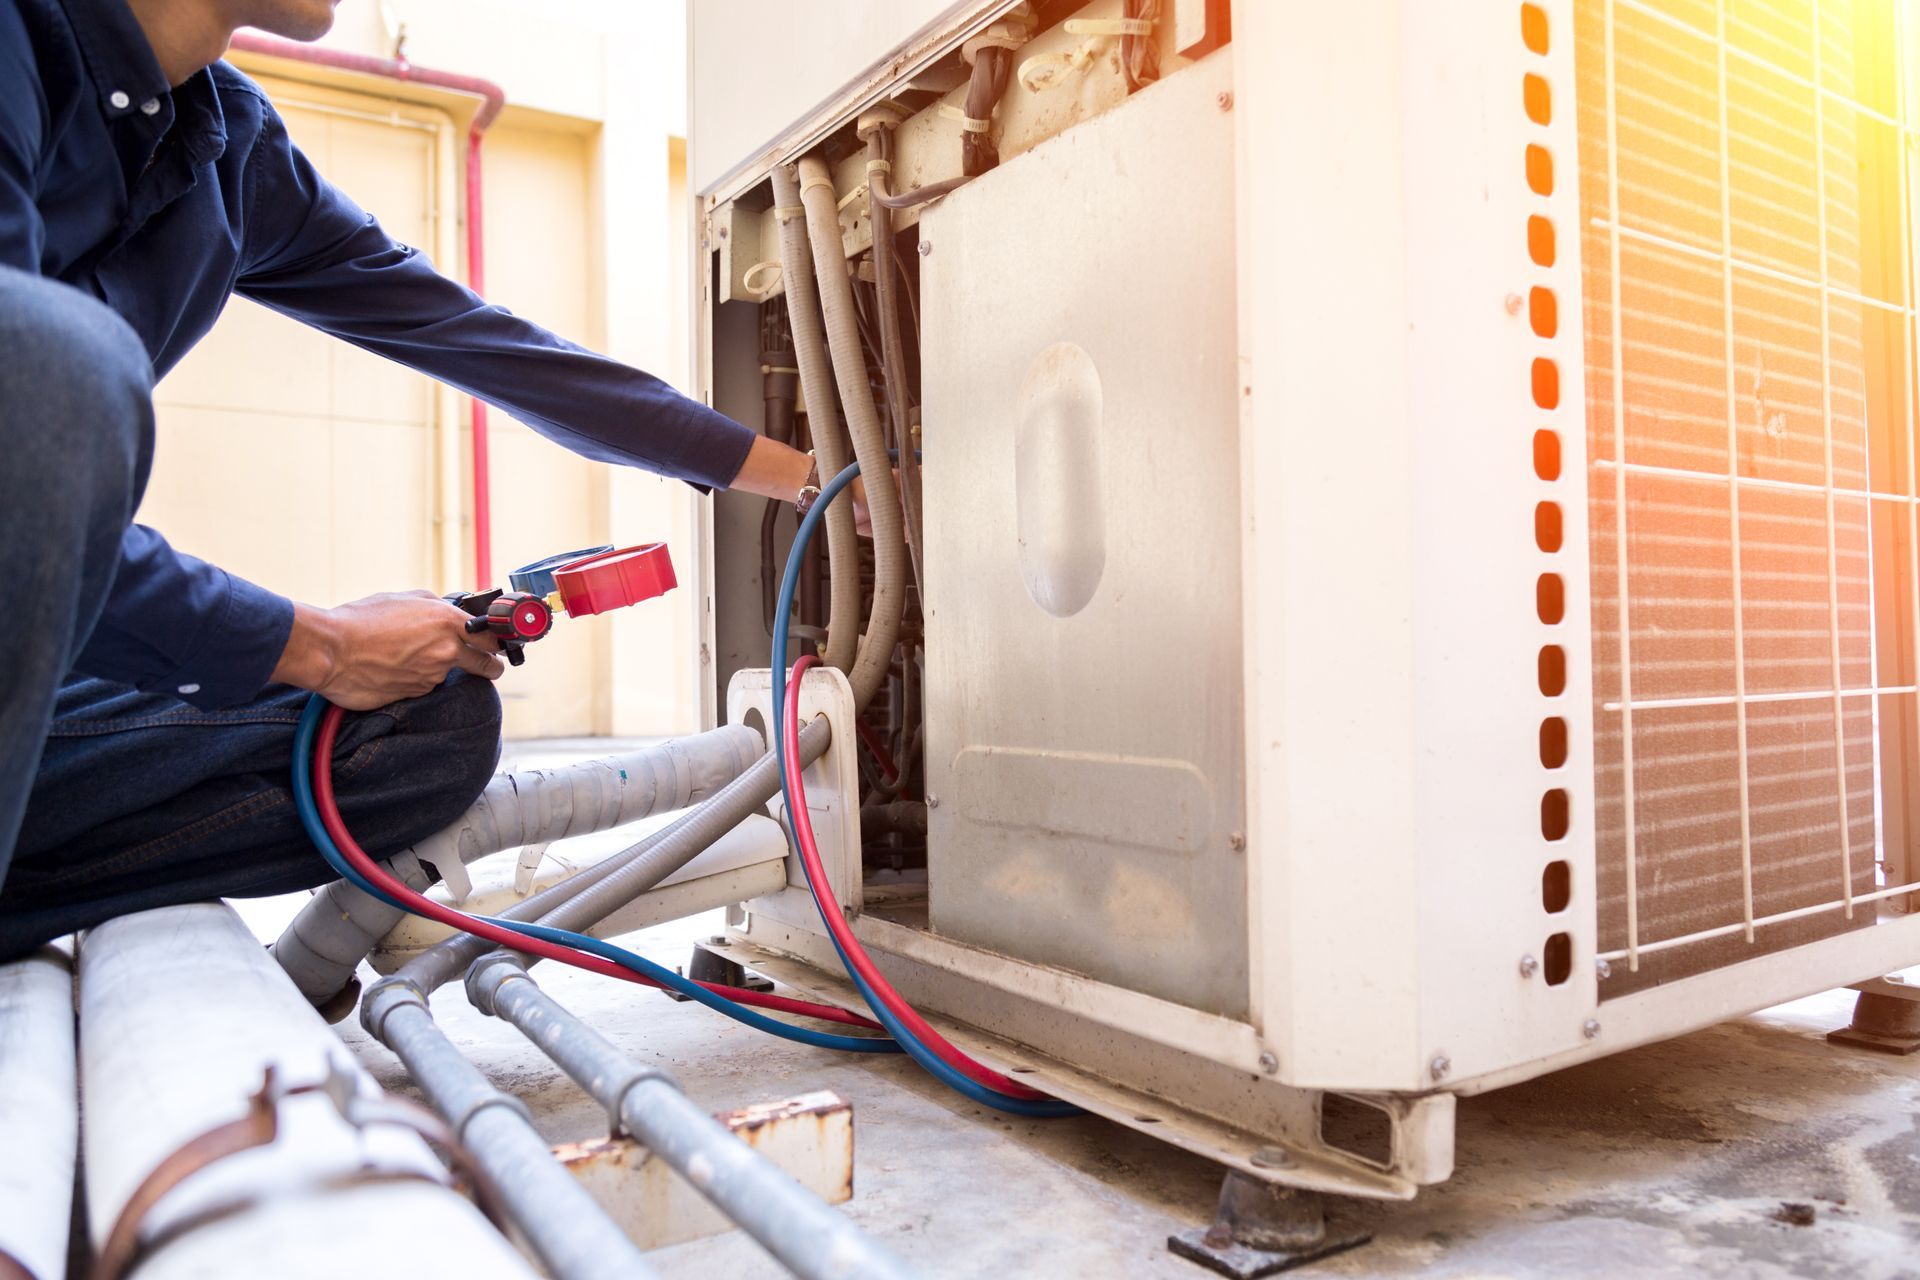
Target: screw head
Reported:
[(1602, 968), (1528, 966), (1515, 304), (1237, 841), (1269, 1062), (926, 247), (1270, 1158), (933, 802), (1590, 1028), (1439, 1067), (1225, 100), (723, 233), (717, 940)]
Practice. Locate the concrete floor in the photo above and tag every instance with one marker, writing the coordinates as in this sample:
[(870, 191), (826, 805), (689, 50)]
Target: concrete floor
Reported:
[(1670, 1160)]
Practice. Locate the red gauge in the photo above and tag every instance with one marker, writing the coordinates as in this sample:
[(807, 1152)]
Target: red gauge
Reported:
[(615, 579)]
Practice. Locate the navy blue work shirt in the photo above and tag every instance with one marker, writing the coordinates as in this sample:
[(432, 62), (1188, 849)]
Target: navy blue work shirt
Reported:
[(161, 202)]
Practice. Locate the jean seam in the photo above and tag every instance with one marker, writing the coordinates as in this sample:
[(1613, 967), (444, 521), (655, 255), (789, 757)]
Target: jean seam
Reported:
[(168, 720), (252, 806)]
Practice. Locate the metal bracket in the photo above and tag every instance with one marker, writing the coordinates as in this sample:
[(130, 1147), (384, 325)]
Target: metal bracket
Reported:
[(1260, 1229)]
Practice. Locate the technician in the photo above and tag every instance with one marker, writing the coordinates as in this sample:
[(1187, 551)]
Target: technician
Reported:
[(147, 698)]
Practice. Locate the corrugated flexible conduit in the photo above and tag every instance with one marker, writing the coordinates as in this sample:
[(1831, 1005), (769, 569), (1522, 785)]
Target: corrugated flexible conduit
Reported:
[(863, 425), (823, 420)]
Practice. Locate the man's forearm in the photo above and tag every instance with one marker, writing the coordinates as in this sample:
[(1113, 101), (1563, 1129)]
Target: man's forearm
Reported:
[(773, 470)]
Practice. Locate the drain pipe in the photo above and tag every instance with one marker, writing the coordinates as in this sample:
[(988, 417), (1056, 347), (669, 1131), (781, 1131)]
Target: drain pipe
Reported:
[(492, 98), (39, 1114), (790, 1222), (340, 924), (181, 1015)]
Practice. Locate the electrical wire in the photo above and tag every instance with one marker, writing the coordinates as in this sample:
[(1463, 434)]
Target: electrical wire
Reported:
[(921, 1042), (320, 816)]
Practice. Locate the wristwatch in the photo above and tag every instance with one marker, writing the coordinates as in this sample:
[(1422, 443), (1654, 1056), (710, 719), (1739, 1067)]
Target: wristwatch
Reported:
[(810, 489)]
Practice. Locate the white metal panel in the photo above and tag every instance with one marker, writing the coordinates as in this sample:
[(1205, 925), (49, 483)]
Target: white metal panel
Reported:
[(1083, 662), (39, 1110)]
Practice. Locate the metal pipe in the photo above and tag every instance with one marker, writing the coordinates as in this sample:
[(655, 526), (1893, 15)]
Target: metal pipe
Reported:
[(625, 876), (569, 1232), (790, 1222), (340, 924), (492, 99), (182, 1014), (39, 1113)]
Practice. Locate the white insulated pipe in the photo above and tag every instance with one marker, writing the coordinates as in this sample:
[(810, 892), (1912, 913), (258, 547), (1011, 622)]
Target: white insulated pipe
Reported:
[(340, 924), (822, 205), (181, 1011), (39, 1112)]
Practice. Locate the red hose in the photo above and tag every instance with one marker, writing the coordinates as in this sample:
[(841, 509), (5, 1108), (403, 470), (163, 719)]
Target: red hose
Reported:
[(836, 921), (422, 905)]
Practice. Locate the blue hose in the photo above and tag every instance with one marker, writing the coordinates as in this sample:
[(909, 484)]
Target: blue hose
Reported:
[(782, 610), (309, 812)]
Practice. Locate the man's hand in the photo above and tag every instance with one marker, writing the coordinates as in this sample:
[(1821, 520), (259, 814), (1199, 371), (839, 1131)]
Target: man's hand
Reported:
[(382, 649), (774, 470)]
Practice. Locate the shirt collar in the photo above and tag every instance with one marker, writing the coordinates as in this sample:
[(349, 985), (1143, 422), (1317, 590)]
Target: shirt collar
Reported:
[(125, 73)]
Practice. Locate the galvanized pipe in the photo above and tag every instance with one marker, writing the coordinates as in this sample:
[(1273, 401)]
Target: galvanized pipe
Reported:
[(336, 929), (39, 1113), (599, 891), (790, 1222), (570, 1233)]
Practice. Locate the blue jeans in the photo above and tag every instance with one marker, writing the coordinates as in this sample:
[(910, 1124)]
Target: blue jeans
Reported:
[(113, 800)]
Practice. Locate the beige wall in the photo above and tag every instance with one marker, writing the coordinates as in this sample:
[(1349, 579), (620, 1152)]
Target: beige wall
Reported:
[(327, 474)]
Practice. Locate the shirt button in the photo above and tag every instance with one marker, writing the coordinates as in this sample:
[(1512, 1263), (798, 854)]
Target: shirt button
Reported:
[(119, 100), (150, 107), (188, 688)]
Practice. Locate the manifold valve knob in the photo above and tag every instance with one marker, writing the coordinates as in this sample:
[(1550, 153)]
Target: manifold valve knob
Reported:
[(519, 617)]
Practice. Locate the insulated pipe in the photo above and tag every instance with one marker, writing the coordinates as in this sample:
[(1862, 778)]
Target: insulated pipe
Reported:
[(340, 924), (39, 1114), (790, 1222), (181, 1015), (492, 99), (569, 1232), (863, 425), (637, 869), (816, 385)]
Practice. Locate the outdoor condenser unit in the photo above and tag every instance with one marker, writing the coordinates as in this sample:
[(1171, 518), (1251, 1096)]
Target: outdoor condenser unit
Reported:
[(1422, 508)]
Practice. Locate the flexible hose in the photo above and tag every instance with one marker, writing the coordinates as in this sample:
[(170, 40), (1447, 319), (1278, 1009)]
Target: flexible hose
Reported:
[(823, 421), (921, 1042), (320, 815), (863, 425)]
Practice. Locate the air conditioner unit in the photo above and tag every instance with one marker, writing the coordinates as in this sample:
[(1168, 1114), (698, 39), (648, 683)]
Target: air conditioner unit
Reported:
[(1420, 577)]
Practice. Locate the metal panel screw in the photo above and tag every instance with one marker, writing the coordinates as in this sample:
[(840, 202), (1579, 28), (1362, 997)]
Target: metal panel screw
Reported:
[(933, 802), (1225, 100), (1602, 968), (1528, 966), (1268, 1062), (1439, 1067), (1515, 304), (1270, 1158), (926, 247), (717, 940), (1590, 1028), (1237, 841)]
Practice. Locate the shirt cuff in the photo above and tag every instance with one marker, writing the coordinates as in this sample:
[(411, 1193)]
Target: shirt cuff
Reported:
[(241, 649)]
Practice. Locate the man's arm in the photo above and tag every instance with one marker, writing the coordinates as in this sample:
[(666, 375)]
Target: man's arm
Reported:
[(314, 255)]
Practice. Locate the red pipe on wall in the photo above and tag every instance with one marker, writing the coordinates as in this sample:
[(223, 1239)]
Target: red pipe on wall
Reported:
[(492, 97)]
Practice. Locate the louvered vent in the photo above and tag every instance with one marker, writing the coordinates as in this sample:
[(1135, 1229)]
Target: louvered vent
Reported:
[(1749, 396)]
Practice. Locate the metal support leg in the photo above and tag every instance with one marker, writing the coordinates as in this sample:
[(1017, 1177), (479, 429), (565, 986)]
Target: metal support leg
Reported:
[(710, 965), (1262, 1228), (1886, 1017)]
